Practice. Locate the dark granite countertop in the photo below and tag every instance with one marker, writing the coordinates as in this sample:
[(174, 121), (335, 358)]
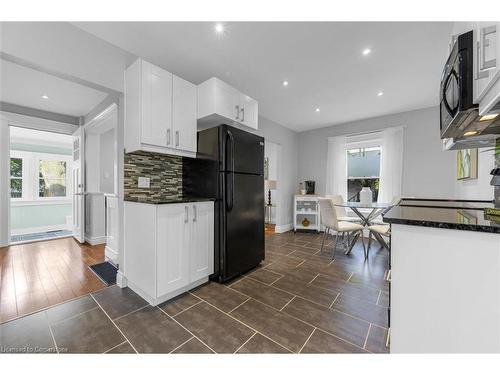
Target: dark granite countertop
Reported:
[(467, 218), (168, 201)]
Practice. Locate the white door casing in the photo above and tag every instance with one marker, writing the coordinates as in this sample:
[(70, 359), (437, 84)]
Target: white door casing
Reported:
[(78, 184)]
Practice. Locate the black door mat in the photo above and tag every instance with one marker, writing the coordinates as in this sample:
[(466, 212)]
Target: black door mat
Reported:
[(105, 271)]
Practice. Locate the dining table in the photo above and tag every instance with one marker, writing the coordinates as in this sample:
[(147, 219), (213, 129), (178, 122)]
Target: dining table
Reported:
[(367, 213)]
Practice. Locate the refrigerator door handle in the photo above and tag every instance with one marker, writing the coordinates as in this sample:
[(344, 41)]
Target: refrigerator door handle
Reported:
[(229, 204)]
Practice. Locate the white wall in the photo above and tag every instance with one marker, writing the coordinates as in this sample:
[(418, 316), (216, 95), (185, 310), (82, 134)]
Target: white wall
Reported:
[(92, 159), (428, 171), (272, 151), (288, 184), (479, 188), (107, 162)]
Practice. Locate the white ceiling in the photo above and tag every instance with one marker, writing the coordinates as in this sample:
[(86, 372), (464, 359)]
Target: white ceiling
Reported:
[(322, 62), (25, 86), (30, 136)]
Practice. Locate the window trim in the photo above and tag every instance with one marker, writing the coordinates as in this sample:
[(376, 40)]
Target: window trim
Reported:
[(31, 180)]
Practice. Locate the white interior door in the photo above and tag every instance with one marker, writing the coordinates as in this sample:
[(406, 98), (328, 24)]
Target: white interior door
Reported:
[(78, 183)]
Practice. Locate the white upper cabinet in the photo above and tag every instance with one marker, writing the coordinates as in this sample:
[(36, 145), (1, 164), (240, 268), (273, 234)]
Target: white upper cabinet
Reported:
[(219, 102), (184, 115), (160, 111), (486, 57)]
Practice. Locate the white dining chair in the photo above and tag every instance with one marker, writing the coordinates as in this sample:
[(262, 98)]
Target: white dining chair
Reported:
[(381, 229), (329, 220), (342, 215)]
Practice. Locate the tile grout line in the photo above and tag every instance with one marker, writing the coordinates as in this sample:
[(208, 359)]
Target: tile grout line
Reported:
[(131, 312), (367, 334), (242, 345), (246, 325), (177, 347), (118, 328), (51, 333), (301, 263), (116, 346), (175, 320), (238, 305), (314, 278), (314, 329), (279, 278), (337, 296), (378, 297), (186, 309), (352, 273), (286, 304)]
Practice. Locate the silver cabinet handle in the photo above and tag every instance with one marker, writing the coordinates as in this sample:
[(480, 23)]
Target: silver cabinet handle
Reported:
[(186, 214), (195, 214), (168, 136), (242, 114), (176, 138), (237, 112)]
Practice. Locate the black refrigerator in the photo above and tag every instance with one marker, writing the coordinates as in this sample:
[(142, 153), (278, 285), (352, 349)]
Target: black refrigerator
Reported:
[(230, 168)]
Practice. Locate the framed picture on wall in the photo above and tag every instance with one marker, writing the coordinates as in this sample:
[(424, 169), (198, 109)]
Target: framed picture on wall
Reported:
[(466, 164)]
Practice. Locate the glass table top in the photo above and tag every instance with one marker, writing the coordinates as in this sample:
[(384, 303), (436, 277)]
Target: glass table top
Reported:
[(363, 205)]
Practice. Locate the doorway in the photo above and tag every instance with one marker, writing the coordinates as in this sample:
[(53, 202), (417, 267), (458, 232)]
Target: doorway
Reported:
[(40, 185)]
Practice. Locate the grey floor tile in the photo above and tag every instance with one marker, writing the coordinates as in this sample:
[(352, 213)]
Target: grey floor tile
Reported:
[(124, 348), (263, 293), (361, 309), (118, 301), (343, 287), (259, 344), (376, 340), (219, 331), (193, 346), (29, 334), (337, 323), (149, 330), (264, 276), (292, 285), (178, 304), (281, 327), (321, 342), (71, 308), (220, 296), (90, 332)]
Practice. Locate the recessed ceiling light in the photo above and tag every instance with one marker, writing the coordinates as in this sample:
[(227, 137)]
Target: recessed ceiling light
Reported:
[(317, 109), (380, 93), (45, 97), (285, 83), (366, 51), (219, 28)]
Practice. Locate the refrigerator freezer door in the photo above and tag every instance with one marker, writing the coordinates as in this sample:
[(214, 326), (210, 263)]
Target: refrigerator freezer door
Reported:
[(242, 152), (243, 223)]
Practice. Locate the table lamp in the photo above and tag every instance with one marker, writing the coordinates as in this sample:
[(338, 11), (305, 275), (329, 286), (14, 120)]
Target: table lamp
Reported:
[(270, 185)]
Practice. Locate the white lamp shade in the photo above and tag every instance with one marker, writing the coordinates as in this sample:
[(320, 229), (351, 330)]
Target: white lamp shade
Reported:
[(271, 184)]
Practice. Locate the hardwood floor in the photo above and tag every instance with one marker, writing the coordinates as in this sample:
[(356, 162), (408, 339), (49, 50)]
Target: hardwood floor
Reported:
[(37, 275)]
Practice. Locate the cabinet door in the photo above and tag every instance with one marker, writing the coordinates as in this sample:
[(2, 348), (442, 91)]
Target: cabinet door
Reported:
[(156, 105), (249, 112), (202, 245), (172, 259), (227, 101), (184, 115), (485, 56)]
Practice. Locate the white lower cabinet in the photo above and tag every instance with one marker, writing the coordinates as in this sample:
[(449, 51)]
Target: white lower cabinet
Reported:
[(169, 248)]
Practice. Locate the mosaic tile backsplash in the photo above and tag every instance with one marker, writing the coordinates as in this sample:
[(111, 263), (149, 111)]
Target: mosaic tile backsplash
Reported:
[(164, 171)]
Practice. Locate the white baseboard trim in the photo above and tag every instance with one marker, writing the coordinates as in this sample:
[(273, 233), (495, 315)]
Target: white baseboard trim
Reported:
[(95, 240), (283, 228), (121, 280), (45, 228), (111, 254)]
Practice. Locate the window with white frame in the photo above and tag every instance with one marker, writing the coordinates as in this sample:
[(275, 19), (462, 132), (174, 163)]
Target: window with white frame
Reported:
[(39, 176), (16, 178), (363, 170)]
